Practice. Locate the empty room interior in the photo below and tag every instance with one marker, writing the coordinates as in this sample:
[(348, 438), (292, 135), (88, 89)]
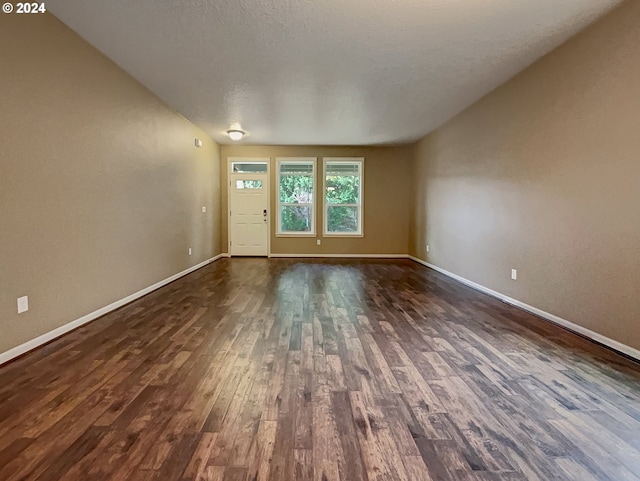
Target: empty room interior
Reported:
[(320, 240)]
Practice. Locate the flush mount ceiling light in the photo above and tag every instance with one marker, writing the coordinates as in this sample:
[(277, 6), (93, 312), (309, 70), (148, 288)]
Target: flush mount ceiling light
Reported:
[(235, 134)]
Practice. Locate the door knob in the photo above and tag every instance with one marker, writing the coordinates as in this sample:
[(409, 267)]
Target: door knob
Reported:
[(264, 212)]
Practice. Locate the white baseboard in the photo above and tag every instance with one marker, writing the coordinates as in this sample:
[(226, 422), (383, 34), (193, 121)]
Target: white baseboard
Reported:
[(344, 256), (583, 331), (51, 335)]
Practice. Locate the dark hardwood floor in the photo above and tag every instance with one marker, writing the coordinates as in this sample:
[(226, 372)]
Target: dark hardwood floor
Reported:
[(282, 369)]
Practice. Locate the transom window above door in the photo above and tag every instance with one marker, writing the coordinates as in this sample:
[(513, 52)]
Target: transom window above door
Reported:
[(249, 167)]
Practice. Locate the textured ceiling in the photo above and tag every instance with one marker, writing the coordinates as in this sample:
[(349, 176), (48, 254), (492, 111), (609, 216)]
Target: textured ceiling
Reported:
[(325, 71)]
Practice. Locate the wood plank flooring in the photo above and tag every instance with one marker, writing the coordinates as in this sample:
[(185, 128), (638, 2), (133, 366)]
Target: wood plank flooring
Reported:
[(283, 369)]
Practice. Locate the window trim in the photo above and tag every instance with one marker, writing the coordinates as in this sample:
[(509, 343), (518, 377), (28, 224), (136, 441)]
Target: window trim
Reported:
[(314, 204), (360, 205)]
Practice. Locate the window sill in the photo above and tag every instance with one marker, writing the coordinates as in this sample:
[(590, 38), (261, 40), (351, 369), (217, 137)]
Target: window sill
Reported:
[(306, 234), (341, 234)]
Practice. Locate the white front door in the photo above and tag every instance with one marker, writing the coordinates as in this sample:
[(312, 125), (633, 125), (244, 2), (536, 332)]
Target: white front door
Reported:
[(248, 219)]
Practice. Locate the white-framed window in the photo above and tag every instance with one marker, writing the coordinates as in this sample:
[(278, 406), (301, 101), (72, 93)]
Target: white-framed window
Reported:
[(296, 196), (343, 188)]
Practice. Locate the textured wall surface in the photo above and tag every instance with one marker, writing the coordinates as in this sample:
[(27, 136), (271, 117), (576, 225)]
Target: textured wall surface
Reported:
[(101, 186), (543, 175), (386, 199), (308, 72)]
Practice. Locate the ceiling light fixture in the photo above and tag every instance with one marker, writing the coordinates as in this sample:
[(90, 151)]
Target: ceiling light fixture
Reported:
[(235, 134)]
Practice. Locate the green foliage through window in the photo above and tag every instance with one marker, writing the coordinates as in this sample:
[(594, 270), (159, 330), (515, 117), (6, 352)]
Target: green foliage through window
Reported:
[(295, 218), (342, 218), (343, 189)]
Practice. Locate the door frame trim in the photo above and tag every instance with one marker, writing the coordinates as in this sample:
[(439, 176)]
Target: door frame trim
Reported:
[(257, 160)]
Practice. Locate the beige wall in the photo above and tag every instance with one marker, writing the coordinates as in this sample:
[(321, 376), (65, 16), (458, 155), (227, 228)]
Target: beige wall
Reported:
[(101, 186), (386, 199), (543, 175)]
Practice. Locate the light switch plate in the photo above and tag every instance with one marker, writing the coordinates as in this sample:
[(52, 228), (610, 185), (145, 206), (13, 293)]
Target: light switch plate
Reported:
[(23, 304)]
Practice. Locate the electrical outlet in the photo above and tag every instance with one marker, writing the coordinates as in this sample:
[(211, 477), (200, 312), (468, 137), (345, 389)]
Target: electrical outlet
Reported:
[(427, 247), (23, 304), (318, 242), (514, 274), (189, 250), (204, 209)]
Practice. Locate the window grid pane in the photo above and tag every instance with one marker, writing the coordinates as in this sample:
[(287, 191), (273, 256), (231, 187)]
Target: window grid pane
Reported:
[(342, 168), (296, 189), (342, 189), (248, 184), (296, 218), (342, 218), (297, 169)]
